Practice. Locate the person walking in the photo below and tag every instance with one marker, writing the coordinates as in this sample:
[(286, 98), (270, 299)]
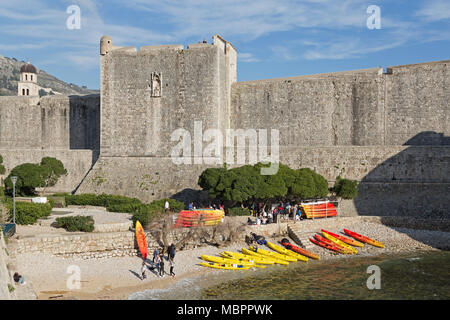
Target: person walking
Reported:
[(143, 269), (171, 252), (161, 267), (172, 264)]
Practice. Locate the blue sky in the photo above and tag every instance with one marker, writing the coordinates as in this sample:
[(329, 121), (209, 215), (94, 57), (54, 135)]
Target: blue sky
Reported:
[(274, 38)]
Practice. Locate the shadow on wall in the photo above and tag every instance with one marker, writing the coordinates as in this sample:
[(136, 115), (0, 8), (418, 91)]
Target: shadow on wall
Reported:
[(428, 138), (84, 124), (413, 183), (199, 197)]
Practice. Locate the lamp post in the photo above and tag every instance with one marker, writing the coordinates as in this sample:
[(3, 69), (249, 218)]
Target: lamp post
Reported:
[(14, 180)]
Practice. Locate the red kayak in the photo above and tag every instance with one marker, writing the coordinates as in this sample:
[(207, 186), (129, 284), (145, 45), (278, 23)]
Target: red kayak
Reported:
[(301, 251), (324, 245), (364, 239), (344, 239), (331, 243)]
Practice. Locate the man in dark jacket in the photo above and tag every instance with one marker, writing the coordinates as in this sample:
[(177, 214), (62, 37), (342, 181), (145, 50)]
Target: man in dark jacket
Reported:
[(171, 252)]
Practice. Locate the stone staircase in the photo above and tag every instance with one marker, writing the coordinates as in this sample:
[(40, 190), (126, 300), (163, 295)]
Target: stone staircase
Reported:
[(301, 238)]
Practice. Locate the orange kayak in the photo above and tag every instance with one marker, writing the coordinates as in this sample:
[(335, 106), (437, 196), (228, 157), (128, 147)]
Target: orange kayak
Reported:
[(325, 245), (339, 248), (364, 239), (140, 238), (299, 250), (344, 239)]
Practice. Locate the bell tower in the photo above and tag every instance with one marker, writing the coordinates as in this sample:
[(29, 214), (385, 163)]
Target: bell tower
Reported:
[(27, 85)]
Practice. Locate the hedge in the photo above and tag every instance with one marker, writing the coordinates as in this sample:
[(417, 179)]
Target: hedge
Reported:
[(115, 203), (102, 200), (29, 213), (76, 223)]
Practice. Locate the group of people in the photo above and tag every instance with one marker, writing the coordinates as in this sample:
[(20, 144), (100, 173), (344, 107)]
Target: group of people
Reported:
[(158, 262), (271, 215), (213, 206)]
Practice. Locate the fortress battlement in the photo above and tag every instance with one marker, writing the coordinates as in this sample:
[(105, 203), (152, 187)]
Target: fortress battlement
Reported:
[(106, 46)]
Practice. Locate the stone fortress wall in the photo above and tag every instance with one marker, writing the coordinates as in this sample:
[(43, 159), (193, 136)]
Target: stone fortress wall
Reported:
[(58, 126), (388, 129)]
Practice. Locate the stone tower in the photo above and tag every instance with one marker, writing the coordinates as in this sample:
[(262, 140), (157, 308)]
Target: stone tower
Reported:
[(27, 85), (148, 94)]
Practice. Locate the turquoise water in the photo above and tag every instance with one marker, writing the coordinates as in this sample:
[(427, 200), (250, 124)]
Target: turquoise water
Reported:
[(405, 277)]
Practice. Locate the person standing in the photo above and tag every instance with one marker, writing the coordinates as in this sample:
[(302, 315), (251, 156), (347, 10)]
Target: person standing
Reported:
[(161, 267), (166, 206), (155, 254)]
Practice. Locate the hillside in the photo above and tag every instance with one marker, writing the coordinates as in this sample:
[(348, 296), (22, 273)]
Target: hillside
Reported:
[(9, 76)]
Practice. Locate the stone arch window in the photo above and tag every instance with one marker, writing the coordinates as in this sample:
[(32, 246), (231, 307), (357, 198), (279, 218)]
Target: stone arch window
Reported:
[(26, 77), (23, 92), (31, 77), (155, 84), (28, 92)]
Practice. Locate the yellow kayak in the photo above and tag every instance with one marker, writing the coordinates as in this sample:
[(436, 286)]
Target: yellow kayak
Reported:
[(224, 266), (286, 252), (254, 254), (339, 242), (241, 256), (226, 260), (273, 254)]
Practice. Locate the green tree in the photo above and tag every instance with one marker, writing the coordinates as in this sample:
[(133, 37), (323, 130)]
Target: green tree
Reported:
[(31, 176), (246, 184), (51, 169), (345, 188)]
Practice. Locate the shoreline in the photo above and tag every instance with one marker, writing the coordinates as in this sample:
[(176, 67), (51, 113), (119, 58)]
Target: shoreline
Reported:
[(117, 278)]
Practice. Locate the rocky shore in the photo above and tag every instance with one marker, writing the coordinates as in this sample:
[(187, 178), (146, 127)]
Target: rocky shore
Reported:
[(118, 277)]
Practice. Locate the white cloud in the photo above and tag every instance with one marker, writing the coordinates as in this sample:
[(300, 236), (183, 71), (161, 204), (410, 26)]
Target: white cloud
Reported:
[(251, 19), (434, 10), (247, 57)]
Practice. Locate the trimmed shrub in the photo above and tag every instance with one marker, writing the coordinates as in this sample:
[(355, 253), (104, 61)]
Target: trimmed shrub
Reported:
[(124, 207), (115, 203), (238, 211), (102, 200), (29, 213), (76, 223)]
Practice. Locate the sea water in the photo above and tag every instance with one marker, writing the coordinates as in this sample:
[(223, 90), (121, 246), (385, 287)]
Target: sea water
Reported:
[(423, 275)]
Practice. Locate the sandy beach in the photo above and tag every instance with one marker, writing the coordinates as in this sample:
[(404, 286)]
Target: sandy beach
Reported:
[(117, 278)]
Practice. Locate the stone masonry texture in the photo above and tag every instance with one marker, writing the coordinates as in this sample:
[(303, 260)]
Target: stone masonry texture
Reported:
[(389, 130)]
